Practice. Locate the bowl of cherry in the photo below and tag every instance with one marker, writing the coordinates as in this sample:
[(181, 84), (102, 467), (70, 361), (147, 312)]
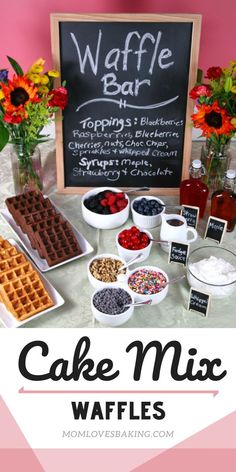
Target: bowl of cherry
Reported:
[(105, 207), (146, 211), (132, 242)]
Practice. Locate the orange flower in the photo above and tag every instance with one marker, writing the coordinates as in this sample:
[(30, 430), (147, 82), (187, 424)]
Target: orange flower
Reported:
[(212, 119), (18, 93)]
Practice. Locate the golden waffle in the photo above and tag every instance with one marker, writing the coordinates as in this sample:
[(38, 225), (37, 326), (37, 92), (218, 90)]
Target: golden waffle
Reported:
[(12, 262), (25, 296), (7, 253), (21, 289)]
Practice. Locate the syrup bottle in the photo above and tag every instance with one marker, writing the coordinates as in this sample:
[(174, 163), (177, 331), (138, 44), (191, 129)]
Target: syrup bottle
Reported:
[(223, 202), (193, 191)]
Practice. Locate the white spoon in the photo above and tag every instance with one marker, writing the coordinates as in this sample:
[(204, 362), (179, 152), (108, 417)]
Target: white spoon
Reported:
[(136, 258)]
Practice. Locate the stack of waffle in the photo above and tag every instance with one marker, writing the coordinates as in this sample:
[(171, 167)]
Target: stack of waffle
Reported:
[(49, 233), (21, 289)]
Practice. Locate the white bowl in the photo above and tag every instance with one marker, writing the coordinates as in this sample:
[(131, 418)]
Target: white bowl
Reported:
[(146, 221), (99, 284), (128, 254), (112, 320), (104, 221), (208, 279), (156, 297)]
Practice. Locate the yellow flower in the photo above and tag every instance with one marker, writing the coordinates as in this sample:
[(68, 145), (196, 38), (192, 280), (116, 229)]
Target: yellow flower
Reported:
[(36, 69), (53, 73), (233, 89), (233, 122), (44, 79), (43, 89), (1, 95), (39, 62), (35, 78)]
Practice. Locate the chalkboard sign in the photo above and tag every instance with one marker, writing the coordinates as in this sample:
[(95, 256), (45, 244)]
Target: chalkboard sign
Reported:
[(199, 301), (191, 214), (178, 252), (215, 229), (128, 78)]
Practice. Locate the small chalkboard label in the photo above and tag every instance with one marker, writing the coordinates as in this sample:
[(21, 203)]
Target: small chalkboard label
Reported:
[(178, 252), (215, 229), (191, 214), (199, 302)]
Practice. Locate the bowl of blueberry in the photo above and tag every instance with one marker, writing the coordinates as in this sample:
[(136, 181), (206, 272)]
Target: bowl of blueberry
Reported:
[(146, 211), (105, 207)]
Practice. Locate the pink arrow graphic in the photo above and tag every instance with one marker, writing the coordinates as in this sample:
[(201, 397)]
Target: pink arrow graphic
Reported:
[(183, 392)]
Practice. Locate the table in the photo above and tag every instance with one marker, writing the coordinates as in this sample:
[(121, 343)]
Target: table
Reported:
[(71, 279)]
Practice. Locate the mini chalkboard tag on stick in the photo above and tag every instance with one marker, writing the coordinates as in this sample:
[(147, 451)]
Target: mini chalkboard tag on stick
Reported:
[(178, 252), (191, 214), (199, 302), (215, 229)]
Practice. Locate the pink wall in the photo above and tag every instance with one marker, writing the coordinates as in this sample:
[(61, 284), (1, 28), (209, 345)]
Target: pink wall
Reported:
[(25, 26)]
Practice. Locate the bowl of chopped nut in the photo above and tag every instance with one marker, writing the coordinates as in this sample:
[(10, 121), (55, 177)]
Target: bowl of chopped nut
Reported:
[(103, 269)]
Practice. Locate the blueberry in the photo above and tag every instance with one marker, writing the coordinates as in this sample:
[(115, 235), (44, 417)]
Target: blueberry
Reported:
[(106, 211)]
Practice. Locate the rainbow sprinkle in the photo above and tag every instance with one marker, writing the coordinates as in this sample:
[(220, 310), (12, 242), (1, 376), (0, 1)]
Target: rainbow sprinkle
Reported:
[(147, 282)]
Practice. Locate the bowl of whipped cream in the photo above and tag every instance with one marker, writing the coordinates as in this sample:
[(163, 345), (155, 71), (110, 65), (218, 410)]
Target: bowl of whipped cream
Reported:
[(212, 269)]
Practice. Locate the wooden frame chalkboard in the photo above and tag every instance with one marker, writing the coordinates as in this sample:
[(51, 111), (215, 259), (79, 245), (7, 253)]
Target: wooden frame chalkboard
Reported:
[(127, 123)]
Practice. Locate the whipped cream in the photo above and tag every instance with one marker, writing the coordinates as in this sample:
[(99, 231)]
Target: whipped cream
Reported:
[(215, 271)]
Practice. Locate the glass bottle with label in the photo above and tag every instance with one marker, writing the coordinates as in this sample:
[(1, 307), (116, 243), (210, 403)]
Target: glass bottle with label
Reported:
[(223, 201), (193, 191)]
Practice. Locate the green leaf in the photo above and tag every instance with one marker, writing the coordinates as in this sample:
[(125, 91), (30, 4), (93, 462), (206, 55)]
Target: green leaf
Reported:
[(228, 84), (4, 136), (15, 66)]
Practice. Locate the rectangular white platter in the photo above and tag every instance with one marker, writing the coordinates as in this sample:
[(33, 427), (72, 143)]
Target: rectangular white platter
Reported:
[(42, 264), (8, 320)]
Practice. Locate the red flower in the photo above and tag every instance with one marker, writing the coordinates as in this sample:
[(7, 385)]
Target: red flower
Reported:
[(214, 73), (212, 119), (200, 90), (59, 98), (12, 119)]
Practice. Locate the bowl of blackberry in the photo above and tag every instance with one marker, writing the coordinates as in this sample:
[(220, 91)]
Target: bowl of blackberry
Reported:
[(146, 211), (105, 207)]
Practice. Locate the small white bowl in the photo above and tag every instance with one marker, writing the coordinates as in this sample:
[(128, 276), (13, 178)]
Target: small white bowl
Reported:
[(128, 254), (156, 297), (112, 320), (99, 284), (146, 221), (104, 221)]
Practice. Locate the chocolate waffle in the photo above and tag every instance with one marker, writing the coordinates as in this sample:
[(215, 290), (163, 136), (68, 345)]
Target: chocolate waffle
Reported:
[(21, 289), (48, 231)]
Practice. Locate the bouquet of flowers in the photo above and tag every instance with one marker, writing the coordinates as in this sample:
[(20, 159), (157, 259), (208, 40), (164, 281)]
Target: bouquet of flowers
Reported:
[(28, 102), (216, 116)]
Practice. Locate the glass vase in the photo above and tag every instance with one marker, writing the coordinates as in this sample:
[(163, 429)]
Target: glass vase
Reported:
[(216, 160), (26, 168)]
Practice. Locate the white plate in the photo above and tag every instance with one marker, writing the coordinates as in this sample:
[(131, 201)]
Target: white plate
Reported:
[(42, 263), (9, 321)]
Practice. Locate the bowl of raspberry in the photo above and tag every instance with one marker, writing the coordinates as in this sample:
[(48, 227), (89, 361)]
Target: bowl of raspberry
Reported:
[(133, 241), (105, 207), (146, 211)]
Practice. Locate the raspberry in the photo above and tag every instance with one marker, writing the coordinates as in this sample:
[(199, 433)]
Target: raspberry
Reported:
[(108, 193), (104, 202), (114, 209), (120, 195), (111, 200)]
